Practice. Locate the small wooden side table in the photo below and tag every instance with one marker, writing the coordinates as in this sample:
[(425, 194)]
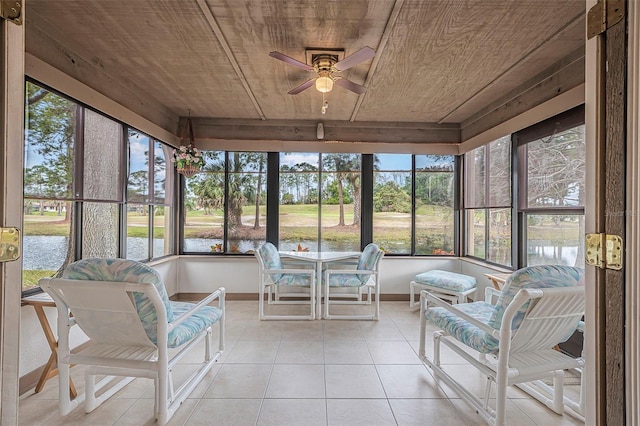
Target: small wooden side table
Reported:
[(39, 302), (497, 280)]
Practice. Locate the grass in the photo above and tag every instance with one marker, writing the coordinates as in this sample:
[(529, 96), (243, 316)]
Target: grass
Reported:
[(31, 277), (299, 222)]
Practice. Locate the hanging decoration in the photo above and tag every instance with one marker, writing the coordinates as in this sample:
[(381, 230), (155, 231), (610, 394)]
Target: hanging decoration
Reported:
[(188, 159)]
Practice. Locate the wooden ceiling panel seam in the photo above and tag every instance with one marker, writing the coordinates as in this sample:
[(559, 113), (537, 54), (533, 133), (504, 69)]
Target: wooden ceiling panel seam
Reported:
[(388, 29), (227, 50), (567, 63), (576, 19)]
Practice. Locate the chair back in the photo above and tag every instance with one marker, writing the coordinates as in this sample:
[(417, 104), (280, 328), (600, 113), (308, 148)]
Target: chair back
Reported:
[(104, 310), (550, 319), (369, 260), (541, 276), (122, 270), (269, 258)]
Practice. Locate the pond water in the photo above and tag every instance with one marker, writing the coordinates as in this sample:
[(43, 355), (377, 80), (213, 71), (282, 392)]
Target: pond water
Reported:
[(48, 252)]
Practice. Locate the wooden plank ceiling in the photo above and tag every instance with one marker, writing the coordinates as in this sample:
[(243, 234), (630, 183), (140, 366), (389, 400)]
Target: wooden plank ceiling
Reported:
[(439, 63)]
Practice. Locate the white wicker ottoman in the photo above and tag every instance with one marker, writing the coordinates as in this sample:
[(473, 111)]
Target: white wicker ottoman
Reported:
[(446, 285)]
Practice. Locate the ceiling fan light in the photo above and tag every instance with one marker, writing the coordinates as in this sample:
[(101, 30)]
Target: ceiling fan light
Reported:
[(324, 84)]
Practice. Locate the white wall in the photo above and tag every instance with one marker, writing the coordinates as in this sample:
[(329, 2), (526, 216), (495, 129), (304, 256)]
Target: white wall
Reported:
[(202, 274)]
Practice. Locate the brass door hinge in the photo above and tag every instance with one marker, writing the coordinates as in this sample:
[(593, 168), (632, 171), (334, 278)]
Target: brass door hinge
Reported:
[(9, 244), (604, 251), (11, 10), (604, 15)]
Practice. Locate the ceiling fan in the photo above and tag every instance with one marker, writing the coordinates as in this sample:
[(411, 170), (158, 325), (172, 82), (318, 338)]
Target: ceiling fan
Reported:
[(325, 65)]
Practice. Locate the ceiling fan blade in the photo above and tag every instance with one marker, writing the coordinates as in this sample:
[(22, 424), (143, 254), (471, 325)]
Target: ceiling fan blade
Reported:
[(290, 60), (350, 85), (355, 58), (303, 86)]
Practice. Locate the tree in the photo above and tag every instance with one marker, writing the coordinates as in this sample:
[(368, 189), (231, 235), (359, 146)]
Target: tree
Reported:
[(389, 197), (51, 135), (346, 168)]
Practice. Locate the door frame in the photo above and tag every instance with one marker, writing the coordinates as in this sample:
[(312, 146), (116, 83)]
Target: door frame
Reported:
[(12, 48), (632, 291)]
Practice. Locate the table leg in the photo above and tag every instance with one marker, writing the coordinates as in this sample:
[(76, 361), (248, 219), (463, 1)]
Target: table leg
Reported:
[(319, 287), (49, 371)]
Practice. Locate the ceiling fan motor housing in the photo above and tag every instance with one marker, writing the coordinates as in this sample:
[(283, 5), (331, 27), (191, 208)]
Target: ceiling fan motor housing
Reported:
[(324, 62)]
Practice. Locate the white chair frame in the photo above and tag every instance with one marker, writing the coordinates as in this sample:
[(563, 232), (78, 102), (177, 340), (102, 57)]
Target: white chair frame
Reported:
[(346, 294), (524, 356), (372, 285), (275, 295), (136, 356), (446, 294)]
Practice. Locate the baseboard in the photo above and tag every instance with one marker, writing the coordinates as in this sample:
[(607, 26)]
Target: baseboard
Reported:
[(30, 380), (187, 297)]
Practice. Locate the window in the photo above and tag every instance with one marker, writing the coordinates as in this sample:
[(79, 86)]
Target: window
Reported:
[(434, 204), (299, 202), (149, 198), (392, 204), (48, 220), (246, 221), (204, 195), (73, 188), (341, 200), (488, 202), (225, 204), (552, 190)]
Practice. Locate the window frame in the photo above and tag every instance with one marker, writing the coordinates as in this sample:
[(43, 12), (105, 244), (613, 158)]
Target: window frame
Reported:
[(77, 198)]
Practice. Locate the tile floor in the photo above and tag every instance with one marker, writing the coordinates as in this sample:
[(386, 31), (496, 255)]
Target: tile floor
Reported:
[(306, 373)]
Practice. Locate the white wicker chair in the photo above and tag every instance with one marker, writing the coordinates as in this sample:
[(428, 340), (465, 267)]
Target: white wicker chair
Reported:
[(135, 331), (539, 307)]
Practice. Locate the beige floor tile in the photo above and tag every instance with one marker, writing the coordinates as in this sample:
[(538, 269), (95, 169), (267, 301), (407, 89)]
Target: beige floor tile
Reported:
[(300, 352), (543, 416), (227, 412), (392, 352), (206, 381), (353, 381), (36, 411), (515, 416), (293, 412), (376, 331), (359, 412), (342, 330), (302, 330), (346, 352), (420, 412), (240, 381), (106, 414), (253, 352), (296, 381), (263, 330), (325, 372), (141, 413), (408, 381)]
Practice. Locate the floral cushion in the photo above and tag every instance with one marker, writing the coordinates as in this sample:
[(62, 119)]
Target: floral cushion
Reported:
[(122, 270), (367, 262), (542, 276), (347, 280), (462, 330), (199, 321), (446, 280), (545, 276), (271, 259)]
